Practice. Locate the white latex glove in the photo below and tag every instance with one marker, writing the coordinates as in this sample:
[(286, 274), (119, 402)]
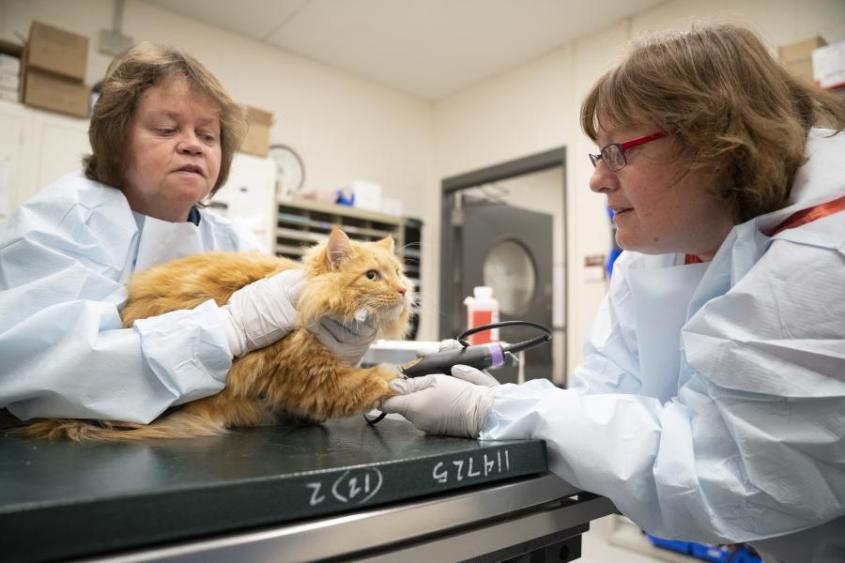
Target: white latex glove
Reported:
[(264, 311), (440, 404), (349, 342), (477, 376)]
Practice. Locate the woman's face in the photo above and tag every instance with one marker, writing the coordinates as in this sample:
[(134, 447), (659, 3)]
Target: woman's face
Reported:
[(659, 205), (174, 150)]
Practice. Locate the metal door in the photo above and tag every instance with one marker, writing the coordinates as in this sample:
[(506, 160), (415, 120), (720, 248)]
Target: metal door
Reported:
[(510, 250)]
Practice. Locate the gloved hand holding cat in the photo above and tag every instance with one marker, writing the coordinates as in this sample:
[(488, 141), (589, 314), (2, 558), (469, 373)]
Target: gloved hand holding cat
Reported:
[(264, 312)]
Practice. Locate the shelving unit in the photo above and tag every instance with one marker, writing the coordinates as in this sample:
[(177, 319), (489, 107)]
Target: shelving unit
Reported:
[(301, 224)]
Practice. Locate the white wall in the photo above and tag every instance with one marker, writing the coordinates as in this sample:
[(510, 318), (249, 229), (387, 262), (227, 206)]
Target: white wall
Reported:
[(535, 108)]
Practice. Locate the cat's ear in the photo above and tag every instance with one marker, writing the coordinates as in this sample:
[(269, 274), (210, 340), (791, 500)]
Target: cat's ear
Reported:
[(338, 248), (388, 243)]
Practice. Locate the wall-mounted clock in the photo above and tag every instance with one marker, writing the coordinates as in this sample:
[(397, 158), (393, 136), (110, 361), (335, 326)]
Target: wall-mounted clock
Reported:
[(290, 169)]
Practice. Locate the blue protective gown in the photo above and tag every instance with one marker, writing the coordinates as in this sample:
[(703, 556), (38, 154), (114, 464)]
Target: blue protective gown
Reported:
[(65, 258), (710, 402)]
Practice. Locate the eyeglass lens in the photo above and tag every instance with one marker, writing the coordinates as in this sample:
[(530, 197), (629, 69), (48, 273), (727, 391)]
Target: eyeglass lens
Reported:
[(613, 157)]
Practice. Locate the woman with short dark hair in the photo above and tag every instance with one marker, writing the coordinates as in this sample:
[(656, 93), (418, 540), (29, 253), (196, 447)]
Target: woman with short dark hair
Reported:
[(163, 134), (127, 78)]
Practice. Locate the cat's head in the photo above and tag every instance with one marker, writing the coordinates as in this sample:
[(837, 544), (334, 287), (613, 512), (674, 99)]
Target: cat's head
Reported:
[(352, 280)]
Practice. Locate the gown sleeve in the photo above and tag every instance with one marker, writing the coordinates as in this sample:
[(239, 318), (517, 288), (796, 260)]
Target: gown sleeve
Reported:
[(64, 258), (751, 447)]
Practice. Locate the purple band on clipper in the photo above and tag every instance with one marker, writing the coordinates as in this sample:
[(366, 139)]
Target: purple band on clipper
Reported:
[(497, 355)]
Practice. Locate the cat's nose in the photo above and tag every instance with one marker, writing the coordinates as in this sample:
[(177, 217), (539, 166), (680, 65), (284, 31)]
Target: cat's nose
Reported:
[(401, 290)]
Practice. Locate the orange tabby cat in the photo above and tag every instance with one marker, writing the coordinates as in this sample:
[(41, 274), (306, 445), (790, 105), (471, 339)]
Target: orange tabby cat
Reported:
[(296, 375)]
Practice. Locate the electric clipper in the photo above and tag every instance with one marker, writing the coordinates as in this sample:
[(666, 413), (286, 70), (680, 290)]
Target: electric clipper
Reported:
[(479, 356)]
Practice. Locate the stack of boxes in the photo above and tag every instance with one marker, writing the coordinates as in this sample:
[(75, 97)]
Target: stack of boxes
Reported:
[(829, 66), (10, 77), (54, 70), (813, 60), (257, 139), (10, 71)]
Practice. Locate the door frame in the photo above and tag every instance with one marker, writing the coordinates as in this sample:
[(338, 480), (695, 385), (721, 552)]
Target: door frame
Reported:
[(450, 186)]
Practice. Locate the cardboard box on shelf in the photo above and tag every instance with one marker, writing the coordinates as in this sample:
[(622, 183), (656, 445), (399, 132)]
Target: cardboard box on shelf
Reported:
[(829, 66), (49, 91), (57, 50), (257, 140), (797, 57)]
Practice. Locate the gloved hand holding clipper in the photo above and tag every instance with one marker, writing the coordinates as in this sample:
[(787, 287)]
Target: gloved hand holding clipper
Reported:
[(264, 311), (467, 373), (440, 404)]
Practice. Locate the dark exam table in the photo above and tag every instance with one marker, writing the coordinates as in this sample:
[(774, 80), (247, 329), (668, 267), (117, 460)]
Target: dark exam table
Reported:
[(342, 490)]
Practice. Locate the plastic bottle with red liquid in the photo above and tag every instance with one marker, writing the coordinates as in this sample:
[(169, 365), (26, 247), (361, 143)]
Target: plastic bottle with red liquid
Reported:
[(482, 309)]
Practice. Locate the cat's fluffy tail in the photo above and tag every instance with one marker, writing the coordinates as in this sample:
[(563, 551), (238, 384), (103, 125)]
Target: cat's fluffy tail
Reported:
[(176, 425)]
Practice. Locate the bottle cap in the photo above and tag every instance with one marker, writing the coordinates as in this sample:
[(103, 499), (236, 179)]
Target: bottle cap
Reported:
[(482, 292)]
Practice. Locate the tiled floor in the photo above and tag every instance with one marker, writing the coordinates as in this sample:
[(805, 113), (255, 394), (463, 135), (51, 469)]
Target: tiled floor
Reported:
[(611, 540)]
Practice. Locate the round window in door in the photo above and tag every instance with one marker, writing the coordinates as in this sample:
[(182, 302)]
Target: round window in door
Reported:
[(509, 270)]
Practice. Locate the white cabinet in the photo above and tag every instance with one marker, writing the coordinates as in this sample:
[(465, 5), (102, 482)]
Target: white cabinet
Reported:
[(60, 143), (11, 150), (249, 198), (36, 147)]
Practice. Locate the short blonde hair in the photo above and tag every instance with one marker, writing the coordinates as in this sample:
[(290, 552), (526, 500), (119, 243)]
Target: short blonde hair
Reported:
[(732, 108), (130, 74)]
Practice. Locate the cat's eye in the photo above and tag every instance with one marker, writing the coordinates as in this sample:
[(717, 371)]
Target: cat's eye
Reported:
[(372, 275)]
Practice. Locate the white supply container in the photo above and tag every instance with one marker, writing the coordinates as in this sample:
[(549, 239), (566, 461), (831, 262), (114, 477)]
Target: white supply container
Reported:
[(368, 195), (482, 309), (829, 66)]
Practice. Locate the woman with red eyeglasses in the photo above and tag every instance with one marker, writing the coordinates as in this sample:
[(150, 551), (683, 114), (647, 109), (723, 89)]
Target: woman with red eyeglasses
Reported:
[(710, 402)]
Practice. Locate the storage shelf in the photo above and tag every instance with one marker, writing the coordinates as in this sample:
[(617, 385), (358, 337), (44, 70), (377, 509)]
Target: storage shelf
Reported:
[(282, 232)]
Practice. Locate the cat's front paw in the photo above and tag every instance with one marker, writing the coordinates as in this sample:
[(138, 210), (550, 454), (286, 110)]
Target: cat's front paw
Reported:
[(388, 372)]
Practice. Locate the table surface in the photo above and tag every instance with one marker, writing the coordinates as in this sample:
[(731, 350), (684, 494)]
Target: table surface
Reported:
[(64, 499)]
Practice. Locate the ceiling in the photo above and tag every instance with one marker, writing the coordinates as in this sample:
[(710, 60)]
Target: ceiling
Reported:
[(431, 48)]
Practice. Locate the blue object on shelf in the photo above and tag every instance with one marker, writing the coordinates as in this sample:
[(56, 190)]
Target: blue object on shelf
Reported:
[(345, 198), (611, 259), (615, 251)]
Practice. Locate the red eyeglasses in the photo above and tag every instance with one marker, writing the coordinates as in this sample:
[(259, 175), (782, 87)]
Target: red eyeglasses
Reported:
[(613, 154)]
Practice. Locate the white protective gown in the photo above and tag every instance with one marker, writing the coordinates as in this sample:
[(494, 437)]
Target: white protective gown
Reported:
[(65, 257), (710, 403)]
